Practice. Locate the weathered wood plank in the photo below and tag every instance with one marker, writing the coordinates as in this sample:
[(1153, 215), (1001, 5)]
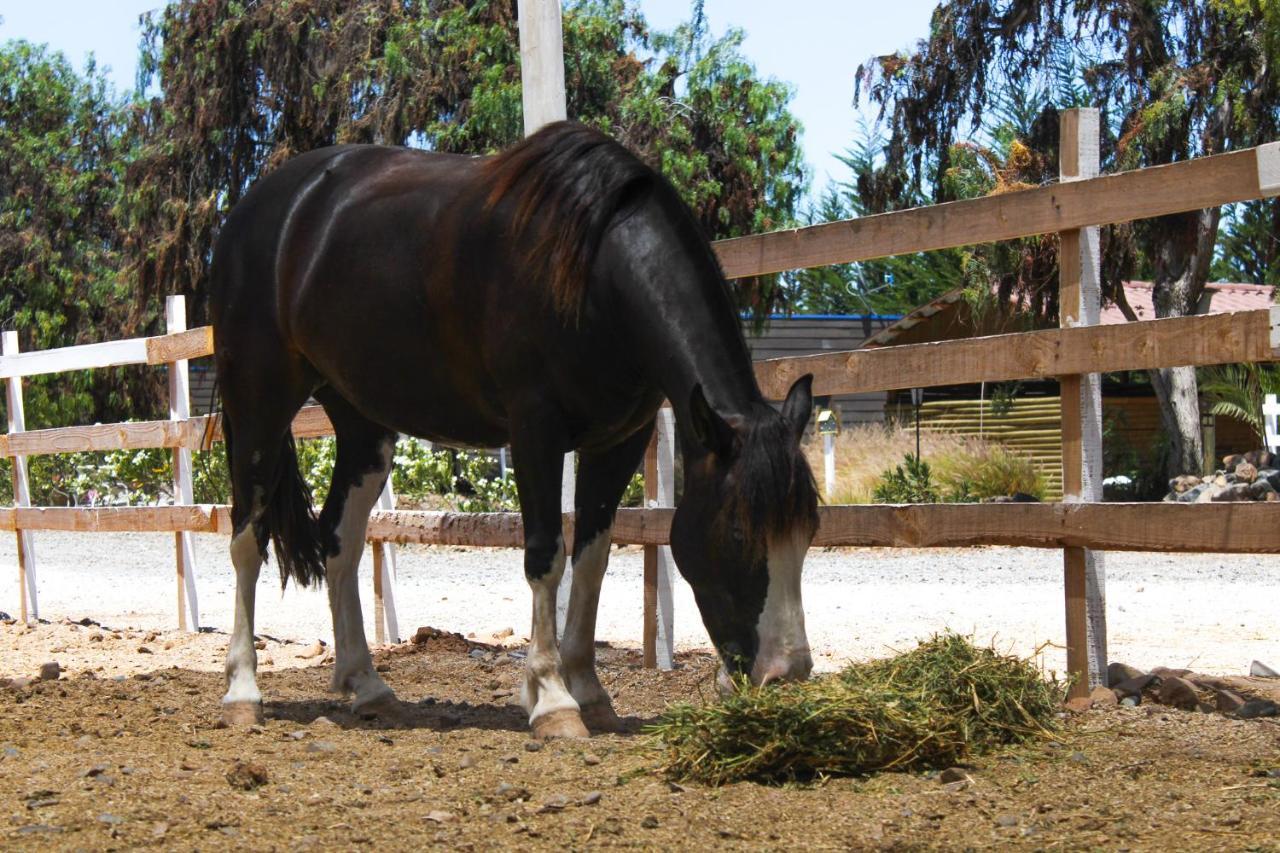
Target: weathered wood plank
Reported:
[(1189, 185), (1210, 339), (129, 436), (180, 346), (142, 519)]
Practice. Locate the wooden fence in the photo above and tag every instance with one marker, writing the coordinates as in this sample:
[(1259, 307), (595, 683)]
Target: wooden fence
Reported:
[(1077, 525)]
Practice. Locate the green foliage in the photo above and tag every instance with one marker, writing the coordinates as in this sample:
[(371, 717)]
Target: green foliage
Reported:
[(988, 472), (1249, 243), (1237, 391), (62, 162), (909, 483), (247, 85)]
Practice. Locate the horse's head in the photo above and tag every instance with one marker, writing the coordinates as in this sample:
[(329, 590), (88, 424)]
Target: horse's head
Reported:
[(747, 516)]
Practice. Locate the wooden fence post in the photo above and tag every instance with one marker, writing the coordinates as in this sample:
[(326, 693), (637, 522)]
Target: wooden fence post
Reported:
[(385, 623), (659, 490), (1079, 304), (175, 312), (29, 602)]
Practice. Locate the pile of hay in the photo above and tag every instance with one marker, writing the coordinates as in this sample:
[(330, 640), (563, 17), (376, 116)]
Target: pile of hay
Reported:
[(927, 708)]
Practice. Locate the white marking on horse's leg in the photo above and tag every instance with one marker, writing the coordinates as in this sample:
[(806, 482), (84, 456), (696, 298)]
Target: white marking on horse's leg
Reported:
[(577, 647), (353, 670), (544, 694), (243, 699), (784, 647)]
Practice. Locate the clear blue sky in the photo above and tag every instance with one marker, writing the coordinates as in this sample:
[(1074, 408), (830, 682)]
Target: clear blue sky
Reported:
[(815, 45)]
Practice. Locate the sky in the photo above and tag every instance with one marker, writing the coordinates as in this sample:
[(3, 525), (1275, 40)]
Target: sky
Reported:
[(814, 45)]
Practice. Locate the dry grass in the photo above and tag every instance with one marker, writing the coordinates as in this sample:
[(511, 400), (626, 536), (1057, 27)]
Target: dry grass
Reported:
[(865, 451), (928, 708)]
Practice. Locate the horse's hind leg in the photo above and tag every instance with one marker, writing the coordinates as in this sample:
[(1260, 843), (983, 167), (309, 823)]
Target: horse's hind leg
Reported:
[(602, 478), (359, 474)]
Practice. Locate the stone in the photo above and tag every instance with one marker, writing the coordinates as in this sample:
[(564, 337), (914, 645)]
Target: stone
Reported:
[(1246, 473), (50, 671), (466, 761), (954, 774), (1256, 708), (1230, 462), (314, 650), (383, 667), (1220, 479), (1233, 492), (1193, 494), (1178, 693), (649, 822), (438, 816), (321, 746), (532, 746), (1259, 489), (591, 798), (143, 650), (1006, 820), (323, 721), (1181, 483), (246, 775), (554, 803), (1260, 458), (1209, 494), (1130, 701), (591, 759), (1258, 669), (1227, 701), (1118, 672), (1103, 697)]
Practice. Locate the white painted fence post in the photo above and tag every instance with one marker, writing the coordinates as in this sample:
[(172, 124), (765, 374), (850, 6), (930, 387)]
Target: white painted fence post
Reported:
[(1084, 571), (1270, 409), (568, 476), (386, 627), (29, 603), (829, 463), (175, 311)]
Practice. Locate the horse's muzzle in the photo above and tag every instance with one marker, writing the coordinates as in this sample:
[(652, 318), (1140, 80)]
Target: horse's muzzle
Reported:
[(794, 667)]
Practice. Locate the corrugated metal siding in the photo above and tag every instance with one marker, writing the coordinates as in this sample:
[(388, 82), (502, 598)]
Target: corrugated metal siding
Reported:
[(791, 336)]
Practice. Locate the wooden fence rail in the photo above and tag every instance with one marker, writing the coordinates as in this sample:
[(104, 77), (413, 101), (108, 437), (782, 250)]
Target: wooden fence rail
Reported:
[(1248, 336)]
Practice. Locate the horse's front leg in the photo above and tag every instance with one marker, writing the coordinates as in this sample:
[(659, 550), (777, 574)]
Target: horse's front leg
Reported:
[(553, 712), (602, 479)]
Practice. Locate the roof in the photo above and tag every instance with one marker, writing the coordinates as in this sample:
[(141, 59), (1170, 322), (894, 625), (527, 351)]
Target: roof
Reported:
[(949, 316)]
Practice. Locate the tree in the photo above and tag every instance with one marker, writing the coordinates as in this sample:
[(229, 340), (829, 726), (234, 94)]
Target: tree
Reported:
[(245, 86), (1174, 79), (1249, 243), (62, 156)]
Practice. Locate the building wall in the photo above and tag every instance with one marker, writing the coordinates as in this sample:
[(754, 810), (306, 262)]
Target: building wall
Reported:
[(810, 334)]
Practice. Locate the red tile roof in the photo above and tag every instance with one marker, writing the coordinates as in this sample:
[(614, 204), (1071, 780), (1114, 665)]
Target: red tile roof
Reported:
[(1219, 298)]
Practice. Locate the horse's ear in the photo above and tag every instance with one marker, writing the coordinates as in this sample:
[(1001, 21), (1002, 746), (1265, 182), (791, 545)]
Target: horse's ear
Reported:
[(799, 405), (712, 431)]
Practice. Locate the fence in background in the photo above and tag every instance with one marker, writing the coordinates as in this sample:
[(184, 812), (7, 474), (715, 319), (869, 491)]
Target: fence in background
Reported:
[(1076, 525)]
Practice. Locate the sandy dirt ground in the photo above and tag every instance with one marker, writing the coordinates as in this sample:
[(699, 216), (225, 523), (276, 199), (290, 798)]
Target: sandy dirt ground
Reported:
[(1214, 613), (139, 760)]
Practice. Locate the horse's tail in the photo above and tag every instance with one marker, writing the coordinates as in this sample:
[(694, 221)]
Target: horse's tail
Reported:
[(295, 532)]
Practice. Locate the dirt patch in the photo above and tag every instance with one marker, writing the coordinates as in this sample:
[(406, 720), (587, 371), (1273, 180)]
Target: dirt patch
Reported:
[(137, 759)]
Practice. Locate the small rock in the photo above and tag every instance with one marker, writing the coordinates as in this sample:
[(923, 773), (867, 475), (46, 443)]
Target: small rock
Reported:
[(1255, 708), (466, 761), (1178, 693), (50, 671), (591, 759), (96, 770), (1006, 820), (257, 644), (143, 650), (554, 803), (1078, 758), (110, 819), (1130, 701), (300, 734), (383, 667), (1135, 686), (591, 798), (246, 776), (1258, 669), (954, 774), (18, 682), (160, 830), (321, 746), (95, 638), (323, 721), (532, 746), (314, 650), (510, 792), (1246, 473), (649, 822), (1184, 482), (1227, 701), (1233, 492), (1103, 697), (437, 816), (1119, 672), (509, 759)]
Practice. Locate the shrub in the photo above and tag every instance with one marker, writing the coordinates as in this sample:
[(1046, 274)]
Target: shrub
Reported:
[(978, 470), (909, 483)]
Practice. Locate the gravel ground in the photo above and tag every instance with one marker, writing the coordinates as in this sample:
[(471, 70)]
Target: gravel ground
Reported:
[(1211, 612)]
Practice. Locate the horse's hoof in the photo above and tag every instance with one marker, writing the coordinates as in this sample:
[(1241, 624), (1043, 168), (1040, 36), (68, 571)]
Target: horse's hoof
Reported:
[(242, 713), (565, 723), (384, 706), (600, 717)]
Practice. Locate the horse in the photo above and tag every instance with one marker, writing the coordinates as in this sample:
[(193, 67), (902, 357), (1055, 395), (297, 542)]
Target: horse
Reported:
[(549, 297)]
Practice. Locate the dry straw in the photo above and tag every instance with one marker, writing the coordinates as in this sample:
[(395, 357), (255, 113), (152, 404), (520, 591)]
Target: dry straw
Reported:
[(927, 708)]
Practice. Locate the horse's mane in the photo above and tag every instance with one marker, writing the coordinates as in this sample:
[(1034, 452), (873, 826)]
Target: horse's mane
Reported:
[(777, 493), (562, 187)]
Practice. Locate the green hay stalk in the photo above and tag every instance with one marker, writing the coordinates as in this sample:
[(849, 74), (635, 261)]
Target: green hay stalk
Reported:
[(927, 708)]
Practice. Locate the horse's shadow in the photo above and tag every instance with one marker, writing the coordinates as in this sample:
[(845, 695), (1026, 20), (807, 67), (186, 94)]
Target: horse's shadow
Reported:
[(431, 715)]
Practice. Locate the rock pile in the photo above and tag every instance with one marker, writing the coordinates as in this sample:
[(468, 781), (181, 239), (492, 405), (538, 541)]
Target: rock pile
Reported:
[(1252, 476), (1177, 688)]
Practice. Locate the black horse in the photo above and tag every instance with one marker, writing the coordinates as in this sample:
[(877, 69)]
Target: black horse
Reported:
[(549, 297)]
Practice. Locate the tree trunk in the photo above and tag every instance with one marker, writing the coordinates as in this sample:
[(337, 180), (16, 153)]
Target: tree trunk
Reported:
[(1181, 256)]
